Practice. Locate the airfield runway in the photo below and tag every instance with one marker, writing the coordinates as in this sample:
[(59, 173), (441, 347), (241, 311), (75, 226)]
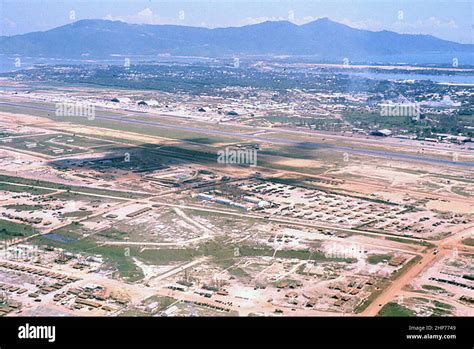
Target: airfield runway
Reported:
[(281, 140)]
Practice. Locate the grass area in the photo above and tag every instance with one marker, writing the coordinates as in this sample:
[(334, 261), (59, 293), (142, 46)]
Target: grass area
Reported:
[(134, 312), (80, 141), (145, 129), (198, 155), (238, 272), (71, 239), (24, 207), (289, 152), (167, 256), (22, 189), (77, 214), (220, 252), (32, 182), (113, 234), (164, 301), (468, 241), (433, 288), (441, 309), (41, 144), (10, 230), (378, 258), (427, 126), (395, 309), (69, 196), (77, 239), (407, 241), (460, 191), (210, 156), (368, 119), (442, 305)]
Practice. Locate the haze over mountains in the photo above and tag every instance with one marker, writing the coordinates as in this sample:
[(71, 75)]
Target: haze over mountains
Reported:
[(323, 38)]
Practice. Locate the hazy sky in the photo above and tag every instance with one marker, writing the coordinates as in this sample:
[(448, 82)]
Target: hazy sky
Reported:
[(447, 19)]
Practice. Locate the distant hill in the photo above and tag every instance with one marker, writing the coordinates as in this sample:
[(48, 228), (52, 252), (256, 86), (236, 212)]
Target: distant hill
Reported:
[(323, 38)]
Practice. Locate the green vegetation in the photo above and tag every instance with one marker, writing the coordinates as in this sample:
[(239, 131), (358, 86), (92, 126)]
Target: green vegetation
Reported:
[(51, 185), (441, 305), (427, 126), (42, 144), (395, 309), (460, 190), (113, 234), (77, 239), (378, 258), (433, 288), (145, 129), (166, 256), (80, 141), (11, 230), (70, 196), (238, 272), (134, 312), (468, 277), (441, 309), (220, 252), (407, 241), (468, 241), (22, 188), (369, 119), (77, 214), (71, 238), (318, 123), (24, 207)]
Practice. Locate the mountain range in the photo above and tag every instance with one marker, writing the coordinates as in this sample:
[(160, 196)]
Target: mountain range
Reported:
[(323, 38)]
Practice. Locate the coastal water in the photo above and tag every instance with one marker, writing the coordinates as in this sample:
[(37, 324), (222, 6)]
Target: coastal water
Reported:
[(458, 79)]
